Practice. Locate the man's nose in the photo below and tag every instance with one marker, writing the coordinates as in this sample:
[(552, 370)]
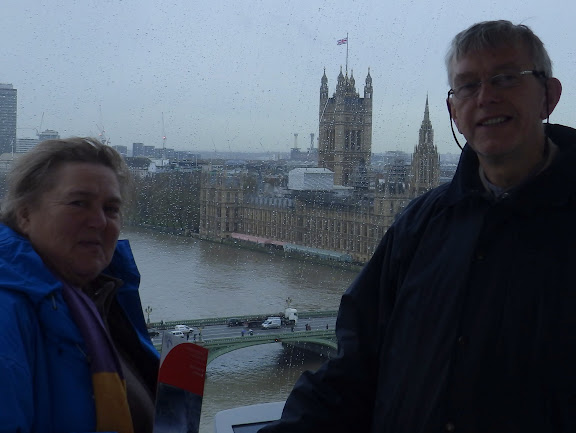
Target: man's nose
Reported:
[(488, 93)]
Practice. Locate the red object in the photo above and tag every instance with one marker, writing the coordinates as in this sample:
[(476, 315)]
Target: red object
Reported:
[(185, 367)]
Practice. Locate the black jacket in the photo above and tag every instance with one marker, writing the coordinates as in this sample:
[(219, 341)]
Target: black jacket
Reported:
[(464, 319)]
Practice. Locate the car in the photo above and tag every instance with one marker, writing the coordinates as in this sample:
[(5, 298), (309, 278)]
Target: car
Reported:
[(184, 328), (177, 334), (235, 322), (153, 332)]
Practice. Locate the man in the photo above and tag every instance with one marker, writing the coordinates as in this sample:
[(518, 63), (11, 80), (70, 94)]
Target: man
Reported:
[(464, 320)]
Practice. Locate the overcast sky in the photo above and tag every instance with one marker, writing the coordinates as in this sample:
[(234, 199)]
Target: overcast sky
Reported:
[(245, 75)]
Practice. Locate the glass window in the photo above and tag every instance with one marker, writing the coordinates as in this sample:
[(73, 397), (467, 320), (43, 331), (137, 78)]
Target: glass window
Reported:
[(215, 102)]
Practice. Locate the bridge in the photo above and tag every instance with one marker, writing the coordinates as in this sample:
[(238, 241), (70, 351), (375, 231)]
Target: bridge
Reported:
[(215, 335), (320, 342)]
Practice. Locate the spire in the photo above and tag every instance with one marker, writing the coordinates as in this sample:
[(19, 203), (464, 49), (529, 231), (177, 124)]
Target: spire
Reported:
[(368, 86), (425, 168), (341, 85), (324, 86), (426, 131)]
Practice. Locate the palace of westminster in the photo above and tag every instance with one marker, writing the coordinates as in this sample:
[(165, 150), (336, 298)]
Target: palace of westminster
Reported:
[(336, 210)]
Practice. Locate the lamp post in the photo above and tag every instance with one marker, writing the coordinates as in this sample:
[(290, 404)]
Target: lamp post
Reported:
[(148, 310)]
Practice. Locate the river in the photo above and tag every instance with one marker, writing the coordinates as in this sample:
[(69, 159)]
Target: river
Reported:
[(186, 278)]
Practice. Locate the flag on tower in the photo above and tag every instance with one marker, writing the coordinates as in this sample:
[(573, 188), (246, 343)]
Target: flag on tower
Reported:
[(343, 41)]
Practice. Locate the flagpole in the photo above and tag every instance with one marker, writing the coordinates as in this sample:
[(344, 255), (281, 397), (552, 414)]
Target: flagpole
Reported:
[(346, 53)]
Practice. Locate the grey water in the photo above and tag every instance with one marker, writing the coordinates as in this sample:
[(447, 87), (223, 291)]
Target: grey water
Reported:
[(186, 278)]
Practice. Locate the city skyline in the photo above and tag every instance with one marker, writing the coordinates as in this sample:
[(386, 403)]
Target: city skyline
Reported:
[(245, 77)]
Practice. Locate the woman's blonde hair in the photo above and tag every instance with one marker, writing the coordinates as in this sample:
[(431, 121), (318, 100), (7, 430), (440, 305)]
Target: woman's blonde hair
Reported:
[(32, 174)]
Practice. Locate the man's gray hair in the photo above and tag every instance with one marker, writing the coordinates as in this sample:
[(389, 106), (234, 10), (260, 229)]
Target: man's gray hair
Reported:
[(493, 34), (33, 173)]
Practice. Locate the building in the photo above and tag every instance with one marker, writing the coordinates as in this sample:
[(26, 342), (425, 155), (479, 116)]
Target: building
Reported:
[(8, 116), (122, 150), (425, 168), (149, 151), (23, 145), (48, 134), (316, 214), (186, 155), (311, 179), (343, 222), (7, 160), (137, 149), (345, 131), (164, 153), (139, 166)]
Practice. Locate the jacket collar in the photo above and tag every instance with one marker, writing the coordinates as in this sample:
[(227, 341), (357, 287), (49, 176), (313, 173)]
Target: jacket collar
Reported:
[(24, 271), (555, 185)]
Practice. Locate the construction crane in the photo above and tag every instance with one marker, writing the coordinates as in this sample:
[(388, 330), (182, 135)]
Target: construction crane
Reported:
[(163, 139), (102, 131), (102, 135), (38, 129)]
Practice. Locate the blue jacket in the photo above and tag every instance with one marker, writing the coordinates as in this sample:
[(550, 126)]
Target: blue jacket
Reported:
[(45, 379), (464, 319)]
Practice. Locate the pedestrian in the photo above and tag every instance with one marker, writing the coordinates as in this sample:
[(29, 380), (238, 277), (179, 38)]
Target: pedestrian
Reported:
[(464, 318), (242, 333), (326, 325)]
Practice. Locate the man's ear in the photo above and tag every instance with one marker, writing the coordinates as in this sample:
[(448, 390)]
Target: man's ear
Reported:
[(554, 89), (23, 219), (452, 112)]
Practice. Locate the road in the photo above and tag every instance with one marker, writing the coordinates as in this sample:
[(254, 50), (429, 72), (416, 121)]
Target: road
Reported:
[(222, 331)]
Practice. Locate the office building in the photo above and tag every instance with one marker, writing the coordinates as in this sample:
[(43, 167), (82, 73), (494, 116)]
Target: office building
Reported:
[(8, 115), (23, 145), (149, 151), (122, 150), (48, 134), (137, 149)]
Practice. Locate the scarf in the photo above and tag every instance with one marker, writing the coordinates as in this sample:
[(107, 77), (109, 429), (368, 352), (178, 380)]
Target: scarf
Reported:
[(110, 396)]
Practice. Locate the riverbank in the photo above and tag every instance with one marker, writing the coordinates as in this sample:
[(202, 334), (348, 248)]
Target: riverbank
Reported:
[(263, 248)]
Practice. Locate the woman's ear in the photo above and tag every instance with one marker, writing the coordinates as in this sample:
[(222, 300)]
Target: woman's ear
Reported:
[(23, 219)]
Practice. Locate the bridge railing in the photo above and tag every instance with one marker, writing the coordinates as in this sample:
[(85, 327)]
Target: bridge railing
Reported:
[(196, 323), (215, 343), (284, 336)]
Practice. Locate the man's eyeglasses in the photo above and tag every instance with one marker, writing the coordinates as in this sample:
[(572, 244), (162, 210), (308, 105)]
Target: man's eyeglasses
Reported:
[(500, 81)]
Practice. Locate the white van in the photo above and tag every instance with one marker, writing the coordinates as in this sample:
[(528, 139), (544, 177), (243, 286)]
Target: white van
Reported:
[(184, 329), (271, 323)]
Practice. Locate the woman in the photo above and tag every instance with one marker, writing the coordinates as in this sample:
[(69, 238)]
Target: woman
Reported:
[(75, 355)]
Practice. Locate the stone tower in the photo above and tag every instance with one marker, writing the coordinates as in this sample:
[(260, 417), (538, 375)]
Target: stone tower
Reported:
[(345, 131), (425, 168)]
